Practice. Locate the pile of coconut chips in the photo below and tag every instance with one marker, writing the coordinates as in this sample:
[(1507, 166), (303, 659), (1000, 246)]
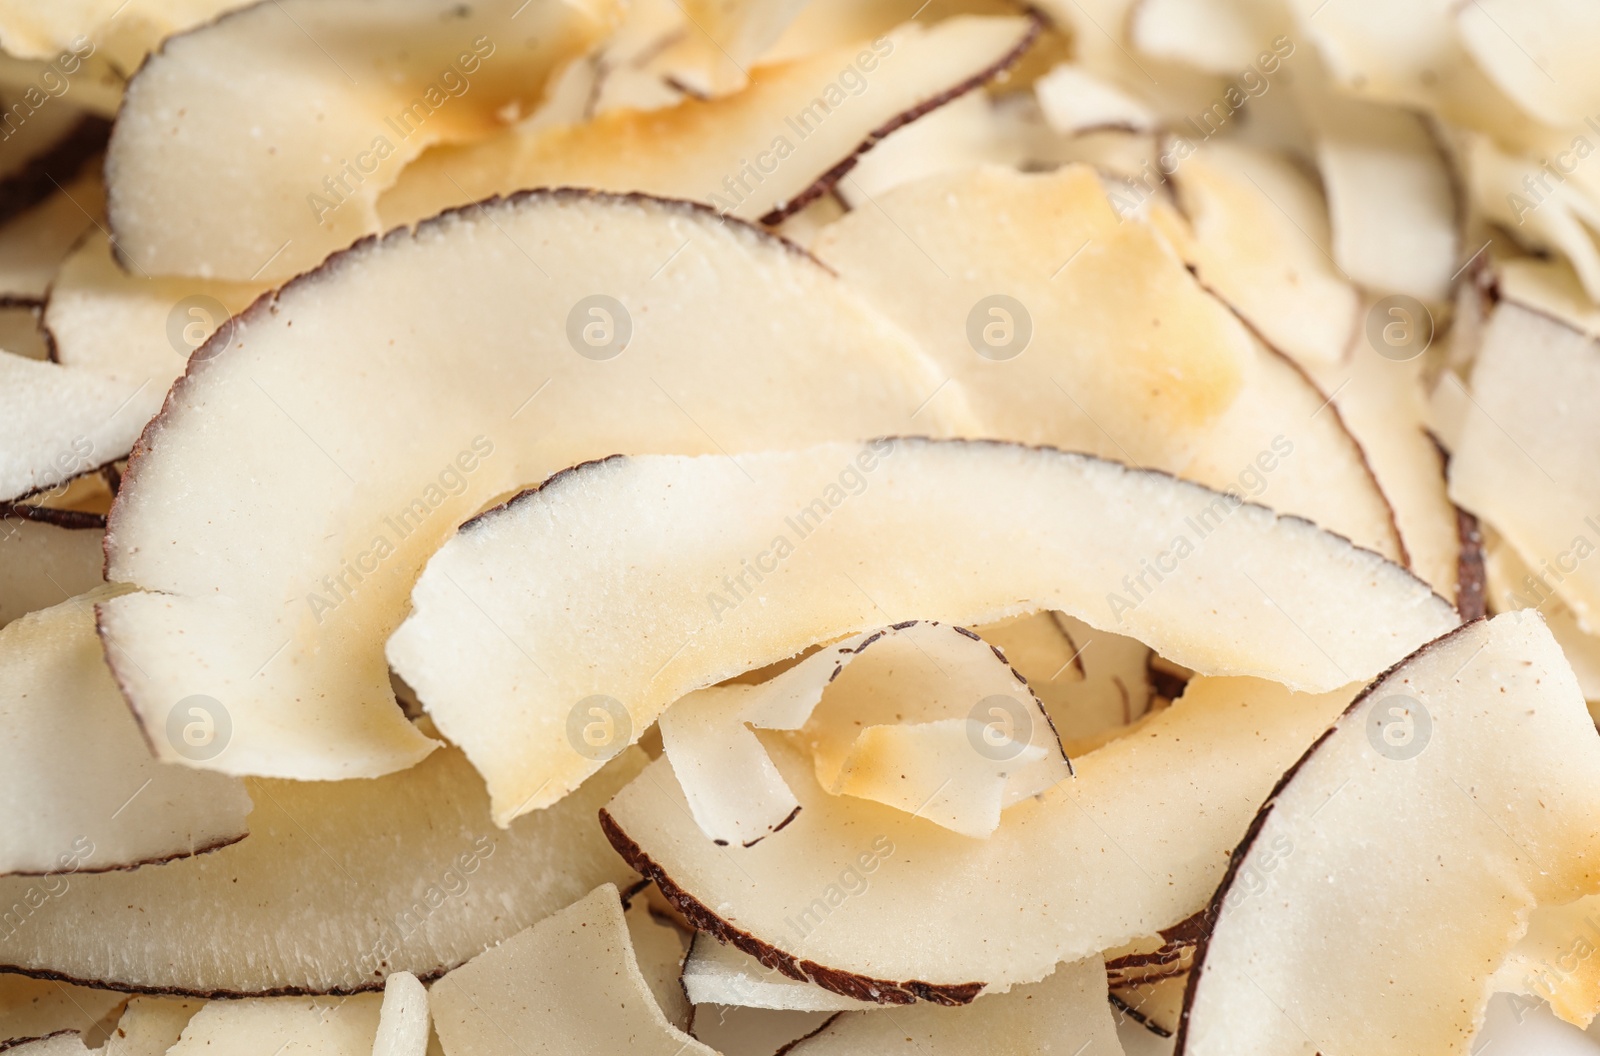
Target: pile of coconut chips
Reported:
[(825, 527)]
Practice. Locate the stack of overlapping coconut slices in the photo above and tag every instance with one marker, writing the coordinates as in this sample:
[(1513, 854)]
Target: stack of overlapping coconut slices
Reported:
[(832, 527)]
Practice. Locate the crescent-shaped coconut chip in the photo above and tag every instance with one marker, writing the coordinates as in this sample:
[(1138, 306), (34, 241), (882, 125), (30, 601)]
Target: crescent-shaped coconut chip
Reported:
[(1294, 947), (119, 341), (212, 173), (513, 339), (1049, 282), (920, 716), (868, 902), (33, 243), (1378, 392), (659, 948), (1091, 682), (1544, 62), (723, 566), (1261, 239), (1072, 328), (403, 873), (759, 154), (1066, 1012), (568, 985), (1390, 194), (86, 793), (718, 973), (1521, 460)]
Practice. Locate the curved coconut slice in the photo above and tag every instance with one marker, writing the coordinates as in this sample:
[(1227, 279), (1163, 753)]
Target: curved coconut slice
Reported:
[(920, 716), (1285, 443), (734, 792), (1090, 682), (344, 1026), (1513, 585), (1261, 239), (933, 769), (119, 341), (403, 1022), (81, 778), (1410, 54), (1065, 326), (338, 99), (46, 557), (405, 874), (1103, 44), (659, 949), (866, 902), (762, 153), (1070, 328), (631, 329), (34, 1008), (1550, 287), (1075, 101), (130, 328), (567, 985), (1522, 459), (127, 31), (1391, 195), (1538, 52), (1219, 36), (1515, 191), (1379, 394), (1294, 947), (33, 243), (1065, 1013), (933, 721), (57, 423), (721, 974), (735, 571), (976, 129)]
